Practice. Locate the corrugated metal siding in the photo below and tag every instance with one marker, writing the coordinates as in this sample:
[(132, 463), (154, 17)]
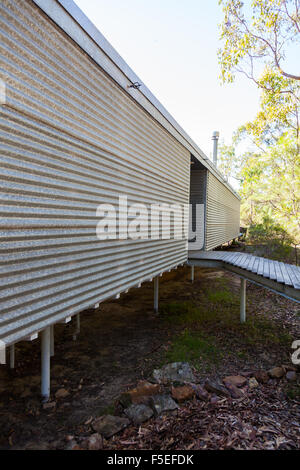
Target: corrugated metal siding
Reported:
[(222, 214), (71, 139), (197, 191)]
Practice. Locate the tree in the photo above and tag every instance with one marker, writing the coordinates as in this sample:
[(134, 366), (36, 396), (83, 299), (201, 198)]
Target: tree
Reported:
[(258, 34), (256, 39)]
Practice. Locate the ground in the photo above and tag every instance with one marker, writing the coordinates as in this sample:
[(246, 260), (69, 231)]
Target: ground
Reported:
[(123, 341)]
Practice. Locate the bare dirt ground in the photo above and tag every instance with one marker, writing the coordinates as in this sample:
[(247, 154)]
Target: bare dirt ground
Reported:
[(123, 341)]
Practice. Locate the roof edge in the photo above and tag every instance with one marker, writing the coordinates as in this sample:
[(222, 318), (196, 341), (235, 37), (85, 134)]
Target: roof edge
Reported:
[(57, 11)]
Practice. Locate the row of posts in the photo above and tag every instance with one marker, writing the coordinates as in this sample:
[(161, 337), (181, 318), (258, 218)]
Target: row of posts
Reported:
[(47, 335)]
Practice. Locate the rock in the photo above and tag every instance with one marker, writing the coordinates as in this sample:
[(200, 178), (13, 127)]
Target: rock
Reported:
[(139, 413), (253, 383), (49, 405), (176, 372), (94, 442), (288, 368), (62, 393), (276, 372), (214, 387), (181, 394), (140, 394), (261, 376), (291, 375), (162, 403), (200, 392), (247, 374), (214, 399), (235, 392), (109, 425), (72, 445), (236, 380)]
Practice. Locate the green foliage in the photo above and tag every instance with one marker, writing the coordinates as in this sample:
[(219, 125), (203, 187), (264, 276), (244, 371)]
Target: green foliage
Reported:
[(256, 37), (255, 34), (194, 348)]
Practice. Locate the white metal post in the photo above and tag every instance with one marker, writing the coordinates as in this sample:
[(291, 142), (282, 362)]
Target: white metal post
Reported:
[(45, 362), (52, 340), (243, 301), (12, 356), (156, 291), (192, 273)]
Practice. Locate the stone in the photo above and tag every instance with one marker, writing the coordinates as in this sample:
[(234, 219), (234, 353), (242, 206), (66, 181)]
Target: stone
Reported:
[(94, 442), (72, 445), (235, 392), (50, 405), (139, 413), (184, 393), (291, 376), (236, 380), (214, 399), (62, 393), (276, 372), (214, 387), (200, 392), (175, 372), (162, 403), (247, 373), (253, 383), (288, 368), (261, 376), (109, 425), (142, 390)]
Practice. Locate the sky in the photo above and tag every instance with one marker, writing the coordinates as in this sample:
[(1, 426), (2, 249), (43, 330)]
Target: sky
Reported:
[(172, 46)]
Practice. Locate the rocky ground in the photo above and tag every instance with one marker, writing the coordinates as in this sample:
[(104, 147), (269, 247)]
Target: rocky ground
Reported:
[(106, 395)]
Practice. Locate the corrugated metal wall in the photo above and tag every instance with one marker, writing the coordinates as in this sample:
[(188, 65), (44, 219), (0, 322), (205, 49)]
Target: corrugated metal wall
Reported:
[(197, 191), (222, 214), (71, 139)]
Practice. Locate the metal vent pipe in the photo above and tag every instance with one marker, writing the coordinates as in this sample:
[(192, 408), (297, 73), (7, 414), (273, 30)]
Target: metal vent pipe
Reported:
[(215, 138)]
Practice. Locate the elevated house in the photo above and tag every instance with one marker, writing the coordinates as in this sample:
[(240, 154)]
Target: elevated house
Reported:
[(78, 130)]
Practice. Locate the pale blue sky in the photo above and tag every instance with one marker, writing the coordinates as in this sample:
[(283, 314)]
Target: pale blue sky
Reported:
[(172, 46)]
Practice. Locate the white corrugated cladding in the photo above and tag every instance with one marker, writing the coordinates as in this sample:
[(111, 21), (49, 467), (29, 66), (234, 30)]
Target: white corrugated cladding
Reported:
[(72, 139), (222, 214), (197, 191)]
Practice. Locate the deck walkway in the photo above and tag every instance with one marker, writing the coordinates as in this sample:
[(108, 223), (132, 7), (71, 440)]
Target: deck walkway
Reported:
[(279, 277)]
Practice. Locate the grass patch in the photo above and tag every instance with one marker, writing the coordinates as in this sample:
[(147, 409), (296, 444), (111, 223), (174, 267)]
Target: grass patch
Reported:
[(195, 348), (210, 328), (293, 392), (224, 296)]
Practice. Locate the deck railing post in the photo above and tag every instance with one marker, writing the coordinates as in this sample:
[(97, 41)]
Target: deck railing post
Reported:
[(192, 273), (156, 292), (45, 363), (243, 301)]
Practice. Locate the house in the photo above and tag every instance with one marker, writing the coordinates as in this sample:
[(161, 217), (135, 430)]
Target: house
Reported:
[(80, 132)]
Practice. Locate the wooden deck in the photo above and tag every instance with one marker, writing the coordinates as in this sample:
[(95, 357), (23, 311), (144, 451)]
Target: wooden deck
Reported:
[(280, 277)]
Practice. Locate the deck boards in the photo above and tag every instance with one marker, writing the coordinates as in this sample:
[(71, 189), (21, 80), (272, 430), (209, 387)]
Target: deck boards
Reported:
[(277, 271)]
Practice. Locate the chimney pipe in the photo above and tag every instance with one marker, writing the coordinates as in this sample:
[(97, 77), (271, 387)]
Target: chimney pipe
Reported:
[(215, 138)]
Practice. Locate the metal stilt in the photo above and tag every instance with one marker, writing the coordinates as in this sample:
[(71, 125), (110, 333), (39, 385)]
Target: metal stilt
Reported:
[(12, 356), (45, 363), (52, 340), (243, 301), (77, 330), (192, 273), (156, 291)]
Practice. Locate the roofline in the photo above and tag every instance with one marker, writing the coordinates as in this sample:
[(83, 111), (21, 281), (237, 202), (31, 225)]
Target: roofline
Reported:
[(119, 70)]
